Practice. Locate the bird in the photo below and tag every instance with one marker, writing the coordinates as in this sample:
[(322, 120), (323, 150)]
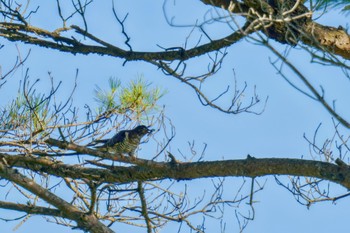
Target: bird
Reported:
[(125, 141)]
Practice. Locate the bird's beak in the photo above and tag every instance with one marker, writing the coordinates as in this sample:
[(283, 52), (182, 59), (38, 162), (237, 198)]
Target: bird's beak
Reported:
[(150, 130)]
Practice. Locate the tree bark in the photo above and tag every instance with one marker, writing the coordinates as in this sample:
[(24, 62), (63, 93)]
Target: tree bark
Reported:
[(330, 39)]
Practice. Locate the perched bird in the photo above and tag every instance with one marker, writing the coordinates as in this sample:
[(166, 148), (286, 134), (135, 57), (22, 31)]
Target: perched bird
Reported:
[(125, 141)]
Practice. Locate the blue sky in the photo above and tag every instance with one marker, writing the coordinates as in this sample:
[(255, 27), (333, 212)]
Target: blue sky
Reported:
[(278, 132)]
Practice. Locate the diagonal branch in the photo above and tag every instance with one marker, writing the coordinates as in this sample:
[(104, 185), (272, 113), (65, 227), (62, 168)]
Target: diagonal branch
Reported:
[(317, 95), (85, 222)]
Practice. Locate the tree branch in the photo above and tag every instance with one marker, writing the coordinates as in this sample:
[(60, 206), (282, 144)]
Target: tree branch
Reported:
[(315, 93), (31, 209), (144, 208), (37, 36), (249, 167), (85, 222)]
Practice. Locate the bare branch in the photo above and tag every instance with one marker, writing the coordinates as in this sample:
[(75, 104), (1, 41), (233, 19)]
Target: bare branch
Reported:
[(144, 207)]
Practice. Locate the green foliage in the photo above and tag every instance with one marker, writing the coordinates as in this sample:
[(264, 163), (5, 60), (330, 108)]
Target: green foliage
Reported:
[(329, 4), (107, 99), (137, 98), (26, 112)]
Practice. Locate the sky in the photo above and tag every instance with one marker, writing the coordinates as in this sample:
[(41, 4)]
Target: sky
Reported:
[(277, 132)]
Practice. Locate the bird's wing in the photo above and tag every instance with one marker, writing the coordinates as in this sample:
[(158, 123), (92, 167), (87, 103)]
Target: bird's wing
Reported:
[(119, 137), (94, 143), (101, 141)]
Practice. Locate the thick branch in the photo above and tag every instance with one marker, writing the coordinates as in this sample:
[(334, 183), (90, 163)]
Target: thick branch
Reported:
[(60, 169), (248, 168), (182, 171), (330, 39)]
